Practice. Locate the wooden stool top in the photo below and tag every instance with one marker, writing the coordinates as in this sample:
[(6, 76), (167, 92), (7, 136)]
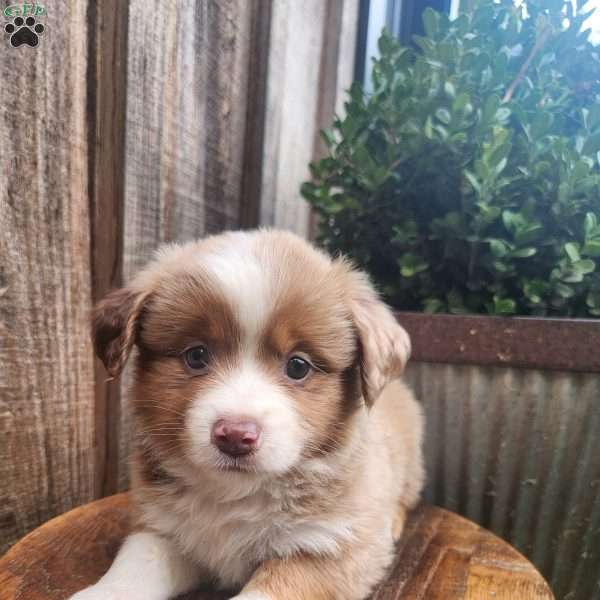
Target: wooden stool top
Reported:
[(441, 556)]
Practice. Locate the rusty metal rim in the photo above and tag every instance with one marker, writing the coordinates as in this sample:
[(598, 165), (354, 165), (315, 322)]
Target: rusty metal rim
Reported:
[(534, 343)]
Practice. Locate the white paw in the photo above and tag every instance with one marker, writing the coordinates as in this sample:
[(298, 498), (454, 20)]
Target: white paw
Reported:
[(104, 592)]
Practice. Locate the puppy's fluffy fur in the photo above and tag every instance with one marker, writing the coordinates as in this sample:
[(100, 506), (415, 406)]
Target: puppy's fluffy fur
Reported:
[(313, 513)]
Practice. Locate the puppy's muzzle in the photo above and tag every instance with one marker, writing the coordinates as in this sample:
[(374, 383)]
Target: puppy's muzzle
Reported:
[(236, 437)]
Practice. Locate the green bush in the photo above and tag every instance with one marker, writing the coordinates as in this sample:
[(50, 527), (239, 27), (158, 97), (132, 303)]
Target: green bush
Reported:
[(468, 180)]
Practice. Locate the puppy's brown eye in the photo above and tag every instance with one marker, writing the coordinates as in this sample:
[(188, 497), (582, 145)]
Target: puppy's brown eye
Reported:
[(196, 358), (297, 368)]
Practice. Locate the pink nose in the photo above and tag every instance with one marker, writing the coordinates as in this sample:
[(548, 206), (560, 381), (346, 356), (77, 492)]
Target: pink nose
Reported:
[(236, 438)]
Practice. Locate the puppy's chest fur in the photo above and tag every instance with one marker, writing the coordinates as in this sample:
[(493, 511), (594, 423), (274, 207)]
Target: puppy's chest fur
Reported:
[(230, 532)]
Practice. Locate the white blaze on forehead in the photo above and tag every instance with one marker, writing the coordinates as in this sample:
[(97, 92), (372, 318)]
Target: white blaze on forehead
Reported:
[(245, 281)]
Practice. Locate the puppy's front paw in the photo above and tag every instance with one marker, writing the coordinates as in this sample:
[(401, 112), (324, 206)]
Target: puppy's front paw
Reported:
[(103, 592)]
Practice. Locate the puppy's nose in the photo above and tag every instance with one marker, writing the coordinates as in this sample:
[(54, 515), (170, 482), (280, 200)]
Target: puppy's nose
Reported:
[(236, 438)]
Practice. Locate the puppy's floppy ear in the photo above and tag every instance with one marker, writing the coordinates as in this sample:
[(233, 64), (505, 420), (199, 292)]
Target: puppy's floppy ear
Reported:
[(384, 346), (115, 321)]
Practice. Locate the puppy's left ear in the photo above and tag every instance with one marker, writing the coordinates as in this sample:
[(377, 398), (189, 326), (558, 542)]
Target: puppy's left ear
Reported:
[(115, 324), (384, 346)]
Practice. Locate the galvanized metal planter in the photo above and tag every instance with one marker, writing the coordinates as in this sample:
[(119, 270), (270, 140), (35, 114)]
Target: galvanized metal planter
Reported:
[(513, 434)]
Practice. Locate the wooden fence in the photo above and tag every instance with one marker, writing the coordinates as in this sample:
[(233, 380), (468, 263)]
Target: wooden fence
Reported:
[(132, 124)]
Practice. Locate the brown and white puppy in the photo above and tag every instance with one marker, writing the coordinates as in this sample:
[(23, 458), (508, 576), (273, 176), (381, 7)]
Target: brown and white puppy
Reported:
[(277, 452)]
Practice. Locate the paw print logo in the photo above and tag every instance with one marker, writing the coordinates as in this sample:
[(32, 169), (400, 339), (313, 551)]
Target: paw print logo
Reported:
[(24, 31)]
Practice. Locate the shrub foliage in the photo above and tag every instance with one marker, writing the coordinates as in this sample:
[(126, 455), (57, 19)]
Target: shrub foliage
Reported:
[(468, 180)]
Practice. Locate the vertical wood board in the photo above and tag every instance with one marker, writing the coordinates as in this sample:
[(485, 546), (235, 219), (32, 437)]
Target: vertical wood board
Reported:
[(46, 372)]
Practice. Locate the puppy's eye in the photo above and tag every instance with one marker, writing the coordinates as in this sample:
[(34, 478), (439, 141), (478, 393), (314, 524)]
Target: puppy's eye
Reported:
[(297, 368), (196, 358)]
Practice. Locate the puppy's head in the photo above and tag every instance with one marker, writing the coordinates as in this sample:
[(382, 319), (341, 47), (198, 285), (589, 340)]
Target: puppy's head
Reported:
[(255, 350)]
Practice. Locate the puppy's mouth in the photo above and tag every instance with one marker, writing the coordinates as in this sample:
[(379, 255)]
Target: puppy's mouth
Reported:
[(237, 464)]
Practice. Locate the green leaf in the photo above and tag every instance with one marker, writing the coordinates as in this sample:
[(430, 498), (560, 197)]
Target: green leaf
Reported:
[(499, 248), (443, 115), (461, 102), (528, 233), (572, 251), (585, 266), (386, 43), (591, 248), (411, 265), (490, 108), (504, 306), (308, 190), (428, 129), (489, 213), (535, 290), (564, 291), (430, 22), (499, 154), (433, 305), (473, 181), (500, 166), (510, 220), (502, 114), (524, 252), (500, 266), (590, 223), (593, 299), (572, 277), (328, 138), (450, 89)]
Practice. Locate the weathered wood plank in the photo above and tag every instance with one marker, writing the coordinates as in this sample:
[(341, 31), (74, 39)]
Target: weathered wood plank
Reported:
[(186, 115), (46, 371), (258, 70), (107, 80), (296, 43), (310, 64), (336, 71), (335, 76)]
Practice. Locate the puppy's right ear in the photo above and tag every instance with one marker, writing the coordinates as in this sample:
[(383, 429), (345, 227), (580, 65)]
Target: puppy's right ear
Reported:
[(115, 321), (384, 345)]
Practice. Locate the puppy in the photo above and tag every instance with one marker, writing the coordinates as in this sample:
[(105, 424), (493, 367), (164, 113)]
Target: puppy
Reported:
[(276, 451)]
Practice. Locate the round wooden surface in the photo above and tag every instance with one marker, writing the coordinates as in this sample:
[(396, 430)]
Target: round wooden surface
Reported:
[(441, 556)]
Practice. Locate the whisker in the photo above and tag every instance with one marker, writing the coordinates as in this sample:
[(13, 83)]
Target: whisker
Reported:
[(161, 430), (161, 406), (166, 426)]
